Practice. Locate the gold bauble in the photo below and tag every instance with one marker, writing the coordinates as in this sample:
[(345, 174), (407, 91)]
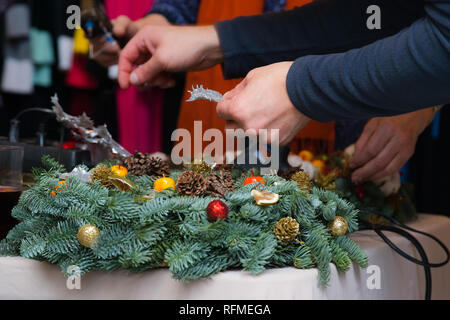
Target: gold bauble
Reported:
[(286, 229), (338, 226), (87, 235)]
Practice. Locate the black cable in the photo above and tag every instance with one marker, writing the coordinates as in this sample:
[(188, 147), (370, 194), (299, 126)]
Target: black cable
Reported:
[(403, 226), (417, 245), (398, 229)]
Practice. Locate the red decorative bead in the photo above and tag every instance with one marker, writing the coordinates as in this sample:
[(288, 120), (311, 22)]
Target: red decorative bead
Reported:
[(69, 145), (217, 209), (360, 192)]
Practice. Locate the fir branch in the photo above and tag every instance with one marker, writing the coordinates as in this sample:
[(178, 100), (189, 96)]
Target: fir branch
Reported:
[(152, 233), (111, 242), (340, 257), (134, 256), (84, 259), (205, 268), (239, 238), (122, 208), (62, 238), (260, 214), (9, 248), (329, 210), (260, 254), (303, 258), (184, 254), (32, 247), (354, 252), (317, 238), (50, 168), (284, 255), (302, 210)]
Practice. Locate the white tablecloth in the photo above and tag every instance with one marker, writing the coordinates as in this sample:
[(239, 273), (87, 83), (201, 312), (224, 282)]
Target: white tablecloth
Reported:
[(399, 279)]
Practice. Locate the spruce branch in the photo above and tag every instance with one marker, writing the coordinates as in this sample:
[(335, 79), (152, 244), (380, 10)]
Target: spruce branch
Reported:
[(354, 252)]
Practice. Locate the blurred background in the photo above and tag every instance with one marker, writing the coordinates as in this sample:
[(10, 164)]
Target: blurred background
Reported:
[(40, 56)]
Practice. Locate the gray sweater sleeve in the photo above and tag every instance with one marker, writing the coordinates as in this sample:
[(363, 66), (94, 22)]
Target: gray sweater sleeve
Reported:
[(321, 27), (399, 74), (343, 70)]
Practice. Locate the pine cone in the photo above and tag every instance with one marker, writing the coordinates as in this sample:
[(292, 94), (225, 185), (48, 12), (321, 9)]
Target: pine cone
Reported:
[(303, 180), (286, 229), (223, 167), (102, 174), (287, 174), (141, 164), (219, 184), (327, 181), (191, 183)]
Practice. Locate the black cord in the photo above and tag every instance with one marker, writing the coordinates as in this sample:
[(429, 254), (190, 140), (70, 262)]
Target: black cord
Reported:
[(398, 229), (413, 240)]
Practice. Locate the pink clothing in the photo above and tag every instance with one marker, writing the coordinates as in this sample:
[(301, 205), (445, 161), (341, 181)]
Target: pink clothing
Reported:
[(139, 112)]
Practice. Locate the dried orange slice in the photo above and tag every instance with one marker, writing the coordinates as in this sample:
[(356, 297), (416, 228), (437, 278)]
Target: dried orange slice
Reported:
[(264, 198), (147, 197), (122, 183)]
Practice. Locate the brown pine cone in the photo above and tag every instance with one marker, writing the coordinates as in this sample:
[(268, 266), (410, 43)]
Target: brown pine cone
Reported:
[(219, 184), (191, 183), (102, 173), (287, 174), (221, 167), (141, 164)]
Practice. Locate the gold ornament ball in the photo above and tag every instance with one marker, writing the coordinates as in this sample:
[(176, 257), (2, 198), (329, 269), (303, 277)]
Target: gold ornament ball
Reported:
[(338, 226), (88, 235)]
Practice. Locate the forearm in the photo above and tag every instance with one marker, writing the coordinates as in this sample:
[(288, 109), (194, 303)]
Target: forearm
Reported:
[(177, 12), (396, 75), (151, 19), (321, 27)]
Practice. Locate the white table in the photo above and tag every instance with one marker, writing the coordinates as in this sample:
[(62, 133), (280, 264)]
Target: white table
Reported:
[(399, 279)]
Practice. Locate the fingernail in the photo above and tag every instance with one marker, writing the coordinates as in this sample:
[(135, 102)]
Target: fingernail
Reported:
[(134, 79), (227, 95)]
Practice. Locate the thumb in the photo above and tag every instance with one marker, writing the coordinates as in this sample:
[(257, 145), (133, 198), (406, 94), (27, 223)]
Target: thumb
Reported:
[(146, 72), (120, 26), (236, 90)]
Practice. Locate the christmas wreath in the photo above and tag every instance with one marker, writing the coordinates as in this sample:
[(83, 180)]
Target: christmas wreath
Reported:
[(197, 221)]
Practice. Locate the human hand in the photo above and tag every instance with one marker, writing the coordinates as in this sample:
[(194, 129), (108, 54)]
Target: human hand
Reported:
[(386, 144), (261, 101), (157, 51), (107, 53)]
